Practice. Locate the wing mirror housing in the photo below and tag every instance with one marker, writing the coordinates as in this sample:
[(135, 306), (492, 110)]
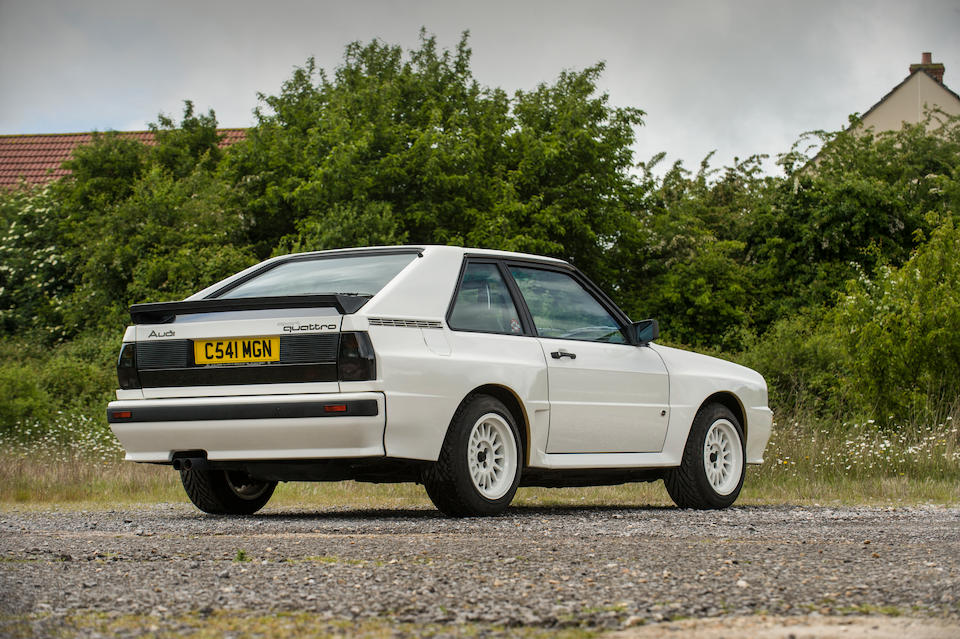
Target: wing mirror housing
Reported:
[(646, 331)]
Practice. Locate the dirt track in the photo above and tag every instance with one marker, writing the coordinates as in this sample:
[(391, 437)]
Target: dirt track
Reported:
[(533, 568)]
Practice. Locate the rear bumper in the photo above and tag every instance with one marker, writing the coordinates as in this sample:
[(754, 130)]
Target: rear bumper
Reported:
[(307, 426)]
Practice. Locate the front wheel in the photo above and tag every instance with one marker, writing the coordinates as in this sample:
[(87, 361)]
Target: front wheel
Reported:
[(479, 466), (712, 469), (226, 492)]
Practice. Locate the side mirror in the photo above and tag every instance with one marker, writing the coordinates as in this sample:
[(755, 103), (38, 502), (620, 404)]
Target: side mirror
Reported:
[(646, 331)]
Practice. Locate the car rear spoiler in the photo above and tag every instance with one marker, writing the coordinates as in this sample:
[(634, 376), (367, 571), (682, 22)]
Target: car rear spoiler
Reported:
[(166, 312)]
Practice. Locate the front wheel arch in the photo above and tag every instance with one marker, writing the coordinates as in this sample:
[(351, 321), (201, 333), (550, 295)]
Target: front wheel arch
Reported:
[(732, 403), (705, 479)]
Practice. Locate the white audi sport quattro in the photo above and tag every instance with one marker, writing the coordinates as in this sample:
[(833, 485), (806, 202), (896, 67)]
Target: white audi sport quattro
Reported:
[(470, 371)]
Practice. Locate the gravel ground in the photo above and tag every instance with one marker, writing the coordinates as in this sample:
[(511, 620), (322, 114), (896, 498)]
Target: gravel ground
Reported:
[(599, 568)]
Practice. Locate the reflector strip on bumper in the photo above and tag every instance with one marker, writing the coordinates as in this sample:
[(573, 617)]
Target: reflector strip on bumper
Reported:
[(265, 410)]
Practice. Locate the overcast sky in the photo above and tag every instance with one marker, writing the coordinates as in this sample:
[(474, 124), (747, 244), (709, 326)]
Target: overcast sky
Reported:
[(738, 76)]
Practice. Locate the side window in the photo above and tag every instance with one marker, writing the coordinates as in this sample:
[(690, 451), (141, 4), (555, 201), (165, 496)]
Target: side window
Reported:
[(483, 302), (563, 309)]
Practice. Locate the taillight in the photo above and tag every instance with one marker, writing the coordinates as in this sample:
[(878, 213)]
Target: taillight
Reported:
[(127, 367), (356, 361)]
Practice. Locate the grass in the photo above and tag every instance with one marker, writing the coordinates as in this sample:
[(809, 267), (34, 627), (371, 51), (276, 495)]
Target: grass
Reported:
[(805, 464), (859, 463)]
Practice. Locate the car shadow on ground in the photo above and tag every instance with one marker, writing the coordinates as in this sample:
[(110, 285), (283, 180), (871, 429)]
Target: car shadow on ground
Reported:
[(387, 514)]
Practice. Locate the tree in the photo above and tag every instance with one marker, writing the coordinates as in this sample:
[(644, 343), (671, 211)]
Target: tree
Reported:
[(101, 172), (903, 326), (412, 148), (135, 223), (683, 259), (181, 148), (863, 200), (34, 272)]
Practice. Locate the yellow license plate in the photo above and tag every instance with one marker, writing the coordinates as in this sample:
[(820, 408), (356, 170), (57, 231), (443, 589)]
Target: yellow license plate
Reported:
[(237, 351)]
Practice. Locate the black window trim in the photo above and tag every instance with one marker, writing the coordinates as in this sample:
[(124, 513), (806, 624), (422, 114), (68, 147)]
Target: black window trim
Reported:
[(592, 289), (526, 317), (307, 257), (526, 322)]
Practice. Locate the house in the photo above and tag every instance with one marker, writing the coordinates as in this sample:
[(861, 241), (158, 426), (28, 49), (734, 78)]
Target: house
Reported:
[(37, 159), (909, 101)]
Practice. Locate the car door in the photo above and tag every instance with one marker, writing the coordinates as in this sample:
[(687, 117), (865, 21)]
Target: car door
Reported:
[(606, 395)]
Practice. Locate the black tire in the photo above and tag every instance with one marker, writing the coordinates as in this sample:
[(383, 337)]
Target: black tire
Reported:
[(226, 492), (479, 466), (703, 480)]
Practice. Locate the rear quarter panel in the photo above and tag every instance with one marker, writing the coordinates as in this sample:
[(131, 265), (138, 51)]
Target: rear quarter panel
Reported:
[(425, 384)]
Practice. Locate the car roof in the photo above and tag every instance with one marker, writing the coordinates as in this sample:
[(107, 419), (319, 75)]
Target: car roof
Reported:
[(425, 249), (432, 248)]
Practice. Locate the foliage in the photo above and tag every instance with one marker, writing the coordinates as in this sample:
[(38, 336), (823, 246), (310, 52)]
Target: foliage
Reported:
[(863, 200), (394, 148), (399, 146), (38, 382), (902, 329), (805, 365), (191, 144), (102, 172), (346, 225), (24, 399), (130, 224), (165, 241), (888, 350), (34, 274)]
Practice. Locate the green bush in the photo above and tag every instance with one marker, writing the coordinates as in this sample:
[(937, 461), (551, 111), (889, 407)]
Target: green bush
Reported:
[(81, 375), (902, 330), (24, 403), (37, 382), (805, 365)]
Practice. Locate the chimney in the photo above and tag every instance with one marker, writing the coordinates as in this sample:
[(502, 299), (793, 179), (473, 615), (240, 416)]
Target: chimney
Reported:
[(931, 68)]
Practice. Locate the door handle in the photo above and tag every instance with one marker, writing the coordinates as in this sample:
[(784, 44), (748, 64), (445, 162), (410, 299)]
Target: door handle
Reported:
[(562, 353)]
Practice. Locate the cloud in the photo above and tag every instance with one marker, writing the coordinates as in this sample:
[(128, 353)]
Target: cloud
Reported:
[(739, 76)]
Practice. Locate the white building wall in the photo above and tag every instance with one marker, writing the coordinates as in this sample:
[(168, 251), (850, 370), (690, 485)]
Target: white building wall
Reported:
[(909, 103)]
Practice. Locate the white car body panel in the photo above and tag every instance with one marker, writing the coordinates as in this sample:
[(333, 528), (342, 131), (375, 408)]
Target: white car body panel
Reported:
[(611, 399), (594, 419), (426, 388), (694, 378)]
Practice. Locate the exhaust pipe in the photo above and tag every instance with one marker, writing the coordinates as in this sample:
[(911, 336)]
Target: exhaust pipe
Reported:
[(190, 463)]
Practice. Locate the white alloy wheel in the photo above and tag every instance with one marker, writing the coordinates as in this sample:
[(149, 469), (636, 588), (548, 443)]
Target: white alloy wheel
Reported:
[(723, 457), (492, 456)]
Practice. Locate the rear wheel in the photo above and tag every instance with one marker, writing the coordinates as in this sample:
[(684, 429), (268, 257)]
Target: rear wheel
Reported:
[(226, 492), (712, 469), (479, 466)]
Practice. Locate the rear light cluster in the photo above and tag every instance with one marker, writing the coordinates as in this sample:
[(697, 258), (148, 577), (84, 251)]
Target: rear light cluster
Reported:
[(127, 367), (356, 361)]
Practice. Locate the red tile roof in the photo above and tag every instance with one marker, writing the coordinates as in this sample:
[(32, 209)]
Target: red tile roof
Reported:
[(37, 159)]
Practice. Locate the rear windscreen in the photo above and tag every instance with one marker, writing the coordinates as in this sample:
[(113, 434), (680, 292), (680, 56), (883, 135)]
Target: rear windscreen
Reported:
[(358, 275)]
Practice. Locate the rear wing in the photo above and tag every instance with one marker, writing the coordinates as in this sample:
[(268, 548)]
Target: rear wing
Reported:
[(166, 312)]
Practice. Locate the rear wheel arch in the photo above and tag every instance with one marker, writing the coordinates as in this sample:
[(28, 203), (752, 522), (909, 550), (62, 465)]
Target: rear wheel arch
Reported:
[(481, 460), (510, 400)]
